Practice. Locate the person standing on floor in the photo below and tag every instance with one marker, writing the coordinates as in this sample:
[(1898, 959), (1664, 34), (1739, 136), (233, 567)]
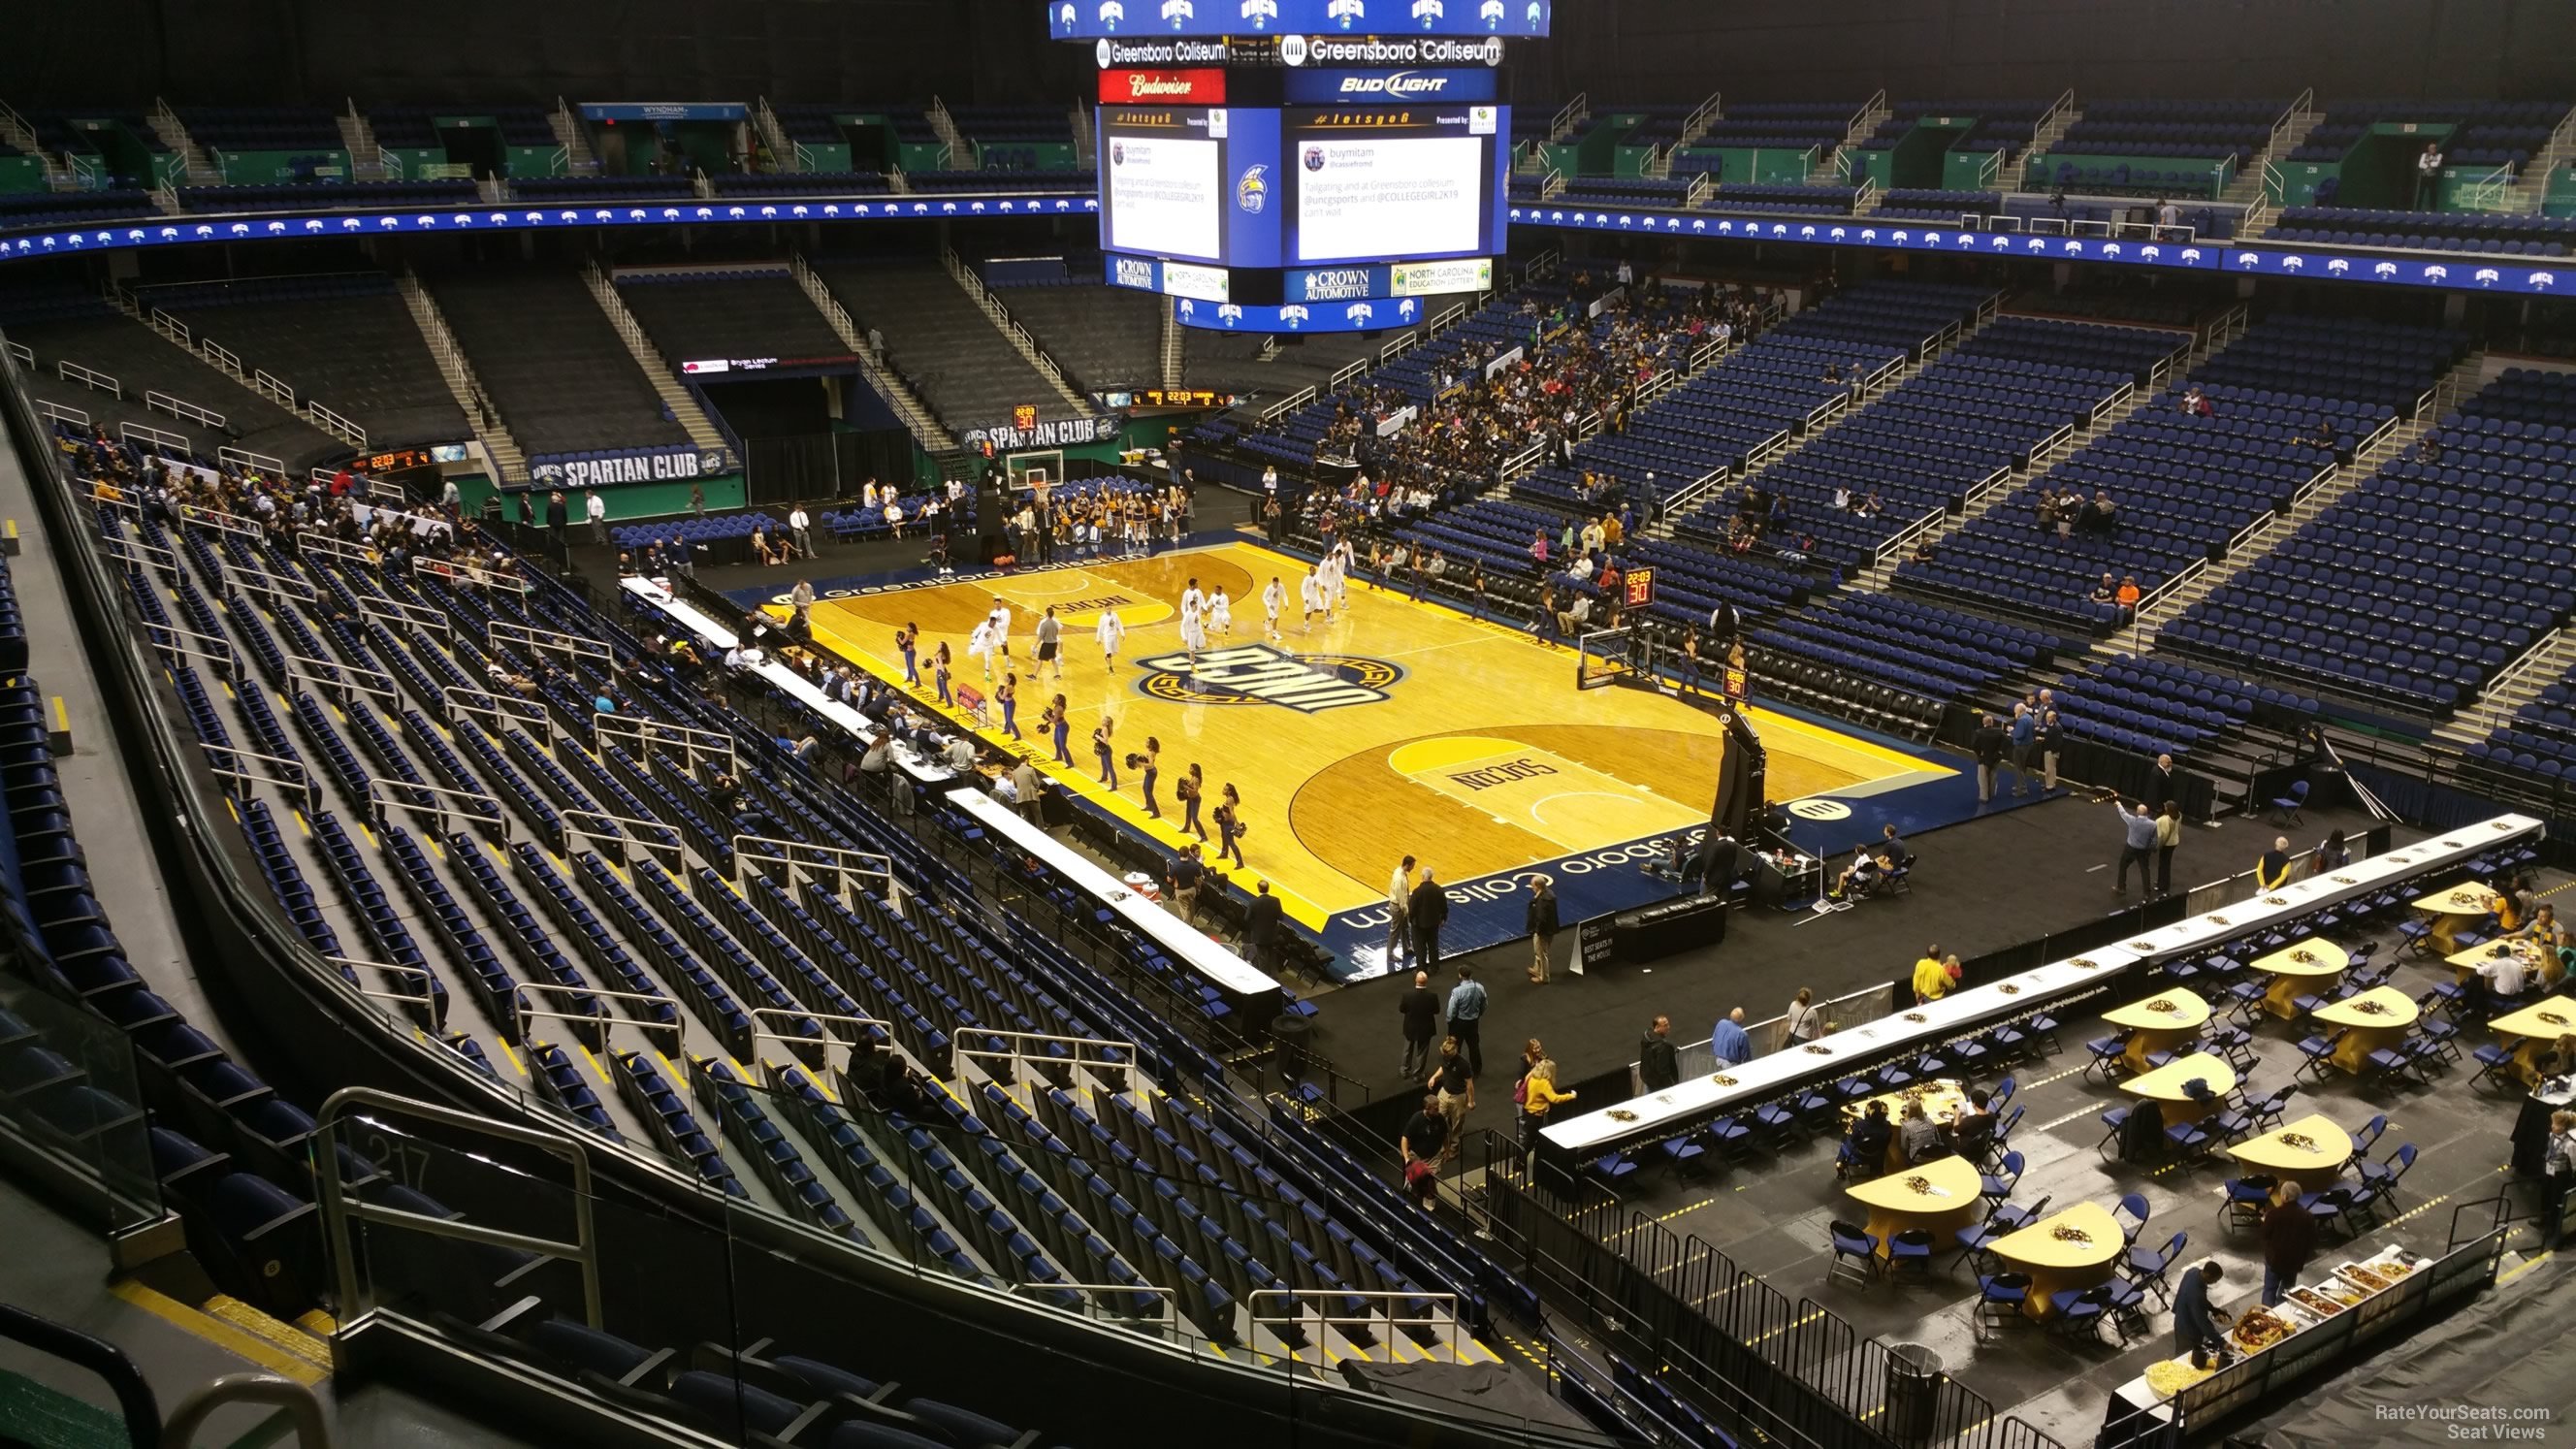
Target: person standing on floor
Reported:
[(2168, 838), (2289, 1241), (1059, 723), (2024, 736), (1453, 1085), (800, 527), (1399, 913), (1153, 770), (1728, 1042), (1430, 911), (2137, 840), (1050, 642), (1420, 1009), (1541, 924), (1111, 631), (1804, 1021), (1467, 1018), (1261, 928), (1659, 1065), (1538, 1093), (1987, 744), (2050, 738), (1229, 825), (2196, 1324), (595, 508)]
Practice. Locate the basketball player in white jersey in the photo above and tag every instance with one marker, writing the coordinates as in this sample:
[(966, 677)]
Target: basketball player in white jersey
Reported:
[(1310, 591), (1000, 619), (1273, 599), (1193, 623), (979, 645), (1110, 632), (1221, 613)]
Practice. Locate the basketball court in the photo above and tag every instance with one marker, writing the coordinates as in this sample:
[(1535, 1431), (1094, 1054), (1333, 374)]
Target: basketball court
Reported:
[(1398, 728)]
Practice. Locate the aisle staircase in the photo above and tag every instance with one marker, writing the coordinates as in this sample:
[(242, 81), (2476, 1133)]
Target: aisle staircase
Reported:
[(366, 158), (961, 156), (2167, 603), (509, 464), (165, 124), (275, 390), (2529, 188), (786, 155), (1174, 347), (2540, 667), (14, 131), (1020, 338), (917, 417), (675, 395), (569, 134), (2287, 135)]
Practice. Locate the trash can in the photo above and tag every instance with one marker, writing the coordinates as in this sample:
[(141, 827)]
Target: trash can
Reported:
[(1913, 1392), (1295, 1036)]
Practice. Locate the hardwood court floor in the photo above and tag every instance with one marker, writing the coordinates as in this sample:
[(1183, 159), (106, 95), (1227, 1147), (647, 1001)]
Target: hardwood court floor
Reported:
[(1400, 728)]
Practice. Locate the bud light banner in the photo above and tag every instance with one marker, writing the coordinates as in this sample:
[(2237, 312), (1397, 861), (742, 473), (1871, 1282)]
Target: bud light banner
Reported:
[(1368, 87), (1370, 316), (629, 465)]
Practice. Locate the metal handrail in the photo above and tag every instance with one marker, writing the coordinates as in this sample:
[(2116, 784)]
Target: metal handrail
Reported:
[(501, 633), (762, 1013), (296, 776), (218, 520), (243, 458), (624, 835), (796, 856), (88, 377), (691, 741), (522, 1013), (222, 654), (462, 700), (382, 788), (339, 1210), (330, 673), (450, 572), (146, 433), (1015, 1056), (253, 579), (1374, 1295)]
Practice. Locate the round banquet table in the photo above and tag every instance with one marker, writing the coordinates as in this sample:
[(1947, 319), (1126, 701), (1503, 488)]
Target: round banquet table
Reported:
[(2312, 1166), (1948, 1202), (2055, 1264), (2293, 977), (2159, 1023), (2453, 909), (2379, 1017), (2164, 1086)]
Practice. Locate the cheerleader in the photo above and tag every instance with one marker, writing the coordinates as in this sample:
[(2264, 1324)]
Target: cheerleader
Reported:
[(1229, 827), (1007, 695), (1153, 772), (1273, 599), (908, 640), (1110, 632), (940, 665), (1221, 614), (1059, 724), (1105, 751), (1190, 791)]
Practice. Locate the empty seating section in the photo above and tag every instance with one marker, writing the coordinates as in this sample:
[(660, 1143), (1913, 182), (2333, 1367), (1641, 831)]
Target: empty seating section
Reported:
[(1780, 126), (308, 135), (2479, 133), (1667, 192), (2378, 599), (555, 368), (1753, 399), (757, 185), (1783, 200), (345, 340), (610, 978), (57, 208), (2151, 705), (1045, 181), (72, 325), (1941, 206), (667, 191), (2196, 130), (2497, 234), (1104, 337), (942, 343), (332, 196), (1924, 446), (1983, 125), (745, 312), (1927, 650), (2184, 486)]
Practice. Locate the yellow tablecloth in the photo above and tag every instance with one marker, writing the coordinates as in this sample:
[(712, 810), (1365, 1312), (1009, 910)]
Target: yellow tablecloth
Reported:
[(1942, 1098), (1894, 1204), (2055, 1265), (2163, 1086), (2309, 1165), (2184, 1013), (2454, 907), (2538, 960), (2293, 977), (2365, 1030), (2529, 1033)]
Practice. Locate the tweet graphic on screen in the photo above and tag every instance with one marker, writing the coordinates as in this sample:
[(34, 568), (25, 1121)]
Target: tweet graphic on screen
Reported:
[(1365, 198)]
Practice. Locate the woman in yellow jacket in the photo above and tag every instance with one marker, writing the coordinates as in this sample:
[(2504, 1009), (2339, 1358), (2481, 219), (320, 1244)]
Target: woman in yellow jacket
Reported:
[(1537, 1094)]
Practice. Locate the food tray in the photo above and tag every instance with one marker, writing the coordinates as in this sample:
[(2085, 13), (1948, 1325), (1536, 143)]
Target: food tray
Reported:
[(2368, 1280)]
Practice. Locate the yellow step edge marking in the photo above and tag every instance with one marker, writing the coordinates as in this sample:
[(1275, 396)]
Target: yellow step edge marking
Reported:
[(316, 1322), (670, 1071), (365, 830), (515, 1064), (233, 808), (302, 824), (277, 1331), (215, 1331), (595, 1067)]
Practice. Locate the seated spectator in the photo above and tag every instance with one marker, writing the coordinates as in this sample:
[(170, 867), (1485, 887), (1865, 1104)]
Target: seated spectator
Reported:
[(2196, 404), (2105, 592), (1865, 1146), (2127, 596), (1919, 1137), (1972, 1132), (1868, 868)]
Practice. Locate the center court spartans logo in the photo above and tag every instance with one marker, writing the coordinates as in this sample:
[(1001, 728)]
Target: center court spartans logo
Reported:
[(1259, 674)]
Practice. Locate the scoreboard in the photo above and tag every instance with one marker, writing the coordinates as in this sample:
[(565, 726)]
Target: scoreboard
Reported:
[(1263, 191)]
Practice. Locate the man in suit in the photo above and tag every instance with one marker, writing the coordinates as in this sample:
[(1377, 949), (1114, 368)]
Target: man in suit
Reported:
[(1429, 910), (2167, 784), (1420, 1009), (1260, 923)]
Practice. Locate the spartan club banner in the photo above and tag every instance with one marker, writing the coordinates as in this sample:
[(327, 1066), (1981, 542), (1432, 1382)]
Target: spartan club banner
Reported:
[(601, 470)]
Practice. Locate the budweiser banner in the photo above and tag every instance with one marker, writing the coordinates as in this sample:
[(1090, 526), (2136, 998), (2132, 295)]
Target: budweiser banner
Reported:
[(1193, 87)]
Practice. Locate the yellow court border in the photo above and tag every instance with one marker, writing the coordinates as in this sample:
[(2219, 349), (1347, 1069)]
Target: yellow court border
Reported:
[(1873, 763)]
